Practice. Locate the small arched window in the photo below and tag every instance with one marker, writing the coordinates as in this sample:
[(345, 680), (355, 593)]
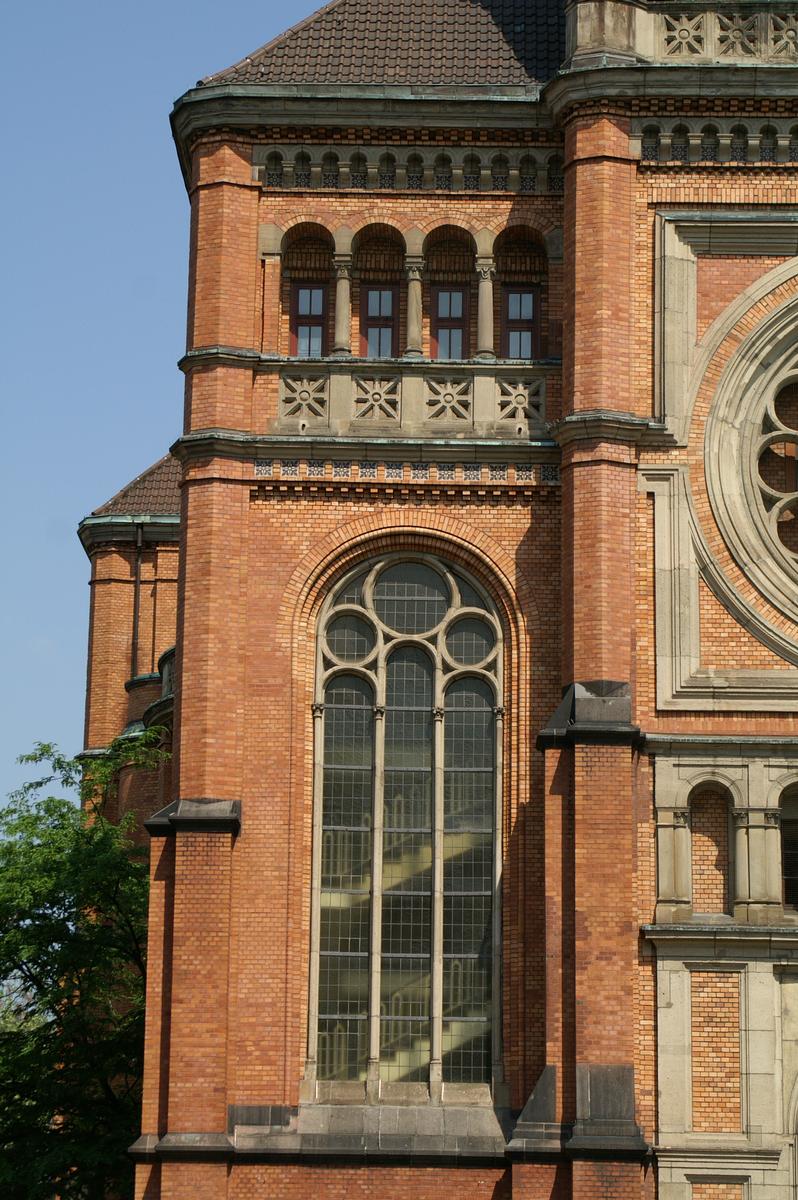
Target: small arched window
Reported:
[(329, 170), (710, 144), (649, 151), (443, 173), (680, 144), (302, 170), (415, 172), (472, 169), (406, 828), (358, 171), (273, 175), (768, 143), (739, 144)]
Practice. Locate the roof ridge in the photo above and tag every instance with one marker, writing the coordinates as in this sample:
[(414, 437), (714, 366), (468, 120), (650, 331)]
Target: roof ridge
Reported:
[(285, 36)]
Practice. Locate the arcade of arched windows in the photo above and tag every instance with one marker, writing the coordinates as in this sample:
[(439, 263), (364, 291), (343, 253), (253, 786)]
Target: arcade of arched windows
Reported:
[(450, 295), (698, 141), (534, 170)]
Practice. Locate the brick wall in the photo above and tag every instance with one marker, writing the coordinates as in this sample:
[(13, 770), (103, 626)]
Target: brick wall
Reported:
[(715, 1034), (709, 825), (717, 1191)]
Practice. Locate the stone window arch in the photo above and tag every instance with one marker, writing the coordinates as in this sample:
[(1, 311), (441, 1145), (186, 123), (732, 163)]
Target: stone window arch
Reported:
[(406, 858)]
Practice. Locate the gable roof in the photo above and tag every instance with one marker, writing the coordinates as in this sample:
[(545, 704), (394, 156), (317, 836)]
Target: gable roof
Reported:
[(156, 491), (412, 42)]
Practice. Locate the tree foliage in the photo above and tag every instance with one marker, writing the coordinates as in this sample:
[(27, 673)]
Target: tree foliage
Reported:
[(73, 911)]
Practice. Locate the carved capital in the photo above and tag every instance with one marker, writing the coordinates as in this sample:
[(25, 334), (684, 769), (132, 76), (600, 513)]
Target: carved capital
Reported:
[(438, 714), (414, 269), (343, 266), (773, 816), (317, 709), (681, 817), (739, 817), (498, 711), (379, 711), (486, 269)]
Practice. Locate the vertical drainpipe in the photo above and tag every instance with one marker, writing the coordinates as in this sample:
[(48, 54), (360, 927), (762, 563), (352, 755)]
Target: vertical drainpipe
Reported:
[(134, 645)]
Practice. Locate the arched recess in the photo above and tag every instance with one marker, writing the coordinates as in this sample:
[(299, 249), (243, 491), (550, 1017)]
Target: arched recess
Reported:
[(378, 292), (450, 292), (525, 674), (307, 266), (711, 845), (408, 716), (521, 294)]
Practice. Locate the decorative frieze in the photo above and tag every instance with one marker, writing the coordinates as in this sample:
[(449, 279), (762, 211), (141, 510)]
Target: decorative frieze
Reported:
[(687, 141), (417, 398), (728, 36), (425, 168), (374, 471)]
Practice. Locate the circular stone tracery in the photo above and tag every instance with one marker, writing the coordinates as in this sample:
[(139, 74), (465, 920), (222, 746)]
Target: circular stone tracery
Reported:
[(751, 465), (776, 451)]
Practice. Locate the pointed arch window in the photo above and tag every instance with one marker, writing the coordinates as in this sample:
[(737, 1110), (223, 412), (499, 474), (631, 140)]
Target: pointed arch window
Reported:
[(405, 967)]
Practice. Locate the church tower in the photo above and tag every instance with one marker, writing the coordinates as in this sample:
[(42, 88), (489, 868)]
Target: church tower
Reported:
[(477, 869)]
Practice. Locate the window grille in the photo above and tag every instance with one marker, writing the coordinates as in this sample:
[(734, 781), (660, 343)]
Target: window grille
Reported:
[(406, 861)]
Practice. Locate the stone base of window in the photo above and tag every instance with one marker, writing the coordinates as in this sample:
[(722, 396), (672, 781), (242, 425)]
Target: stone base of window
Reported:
[(382, 1130)]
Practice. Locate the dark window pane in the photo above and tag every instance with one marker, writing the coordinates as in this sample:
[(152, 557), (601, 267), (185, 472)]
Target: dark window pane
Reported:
[(456, 304), (411, 598), (350, 638), (343, 985), (344, 923), (789, 851), (470, 640)]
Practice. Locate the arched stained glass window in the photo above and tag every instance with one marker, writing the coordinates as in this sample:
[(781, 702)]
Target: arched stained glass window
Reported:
[(405, 972)]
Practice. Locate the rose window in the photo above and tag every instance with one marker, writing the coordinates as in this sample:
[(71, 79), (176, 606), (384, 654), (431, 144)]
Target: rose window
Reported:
[(777, 464)]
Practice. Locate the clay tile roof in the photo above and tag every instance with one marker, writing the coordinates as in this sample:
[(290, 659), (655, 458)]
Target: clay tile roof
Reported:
[(156, 491), (407, 42)]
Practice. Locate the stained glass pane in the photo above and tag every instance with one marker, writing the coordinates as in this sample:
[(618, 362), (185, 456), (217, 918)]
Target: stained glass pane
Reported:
[(346, 857), (407, 866), (350, 638), (470, 640), (411, 597), (468, 878)]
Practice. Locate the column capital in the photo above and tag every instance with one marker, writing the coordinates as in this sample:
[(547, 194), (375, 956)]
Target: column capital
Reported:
[(414, 267), (343, 266), (486, 268)]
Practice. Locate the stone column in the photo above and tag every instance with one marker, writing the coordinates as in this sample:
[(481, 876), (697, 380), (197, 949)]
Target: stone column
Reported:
[(486, 272), (773, 867), (674, 900), (343, 304), (414, 268), (742, 875)]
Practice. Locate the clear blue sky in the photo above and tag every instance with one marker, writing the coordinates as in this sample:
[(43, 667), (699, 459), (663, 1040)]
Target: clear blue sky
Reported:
[(93, 296)]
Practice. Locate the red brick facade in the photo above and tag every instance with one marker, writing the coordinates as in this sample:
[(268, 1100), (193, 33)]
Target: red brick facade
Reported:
[(644, 671)]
